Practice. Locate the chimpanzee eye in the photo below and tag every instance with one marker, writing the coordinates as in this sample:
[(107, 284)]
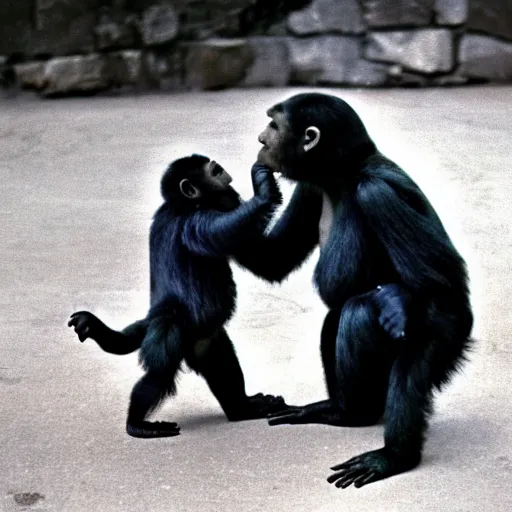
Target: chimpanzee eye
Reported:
[(217, 170), (273, 125)]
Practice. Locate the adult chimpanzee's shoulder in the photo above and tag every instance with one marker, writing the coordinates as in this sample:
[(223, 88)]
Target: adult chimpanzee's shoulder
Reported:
[(385, 178), (379, 167)]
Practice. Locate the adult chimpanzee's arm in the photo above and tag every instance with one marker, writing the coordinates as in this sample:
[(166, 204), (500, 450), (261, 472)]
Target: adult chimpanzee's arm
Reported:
[(412, 234), (294, 236)]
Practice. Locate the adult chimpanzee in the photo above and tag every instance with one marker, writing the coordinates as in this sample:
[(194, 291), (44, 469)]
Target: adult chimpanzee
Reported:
[(201, 222), (386, 264)]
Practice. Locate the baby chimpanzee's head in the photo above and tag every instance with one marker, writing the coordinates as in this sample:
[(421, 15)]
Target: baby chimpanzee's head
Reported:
[(196, 182)]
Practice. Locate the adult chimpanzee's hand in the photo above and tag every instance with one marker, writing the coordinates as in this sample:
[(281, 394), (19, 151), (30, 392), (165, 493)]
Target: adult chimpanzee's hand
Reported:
[(264, 184), (393, 302)]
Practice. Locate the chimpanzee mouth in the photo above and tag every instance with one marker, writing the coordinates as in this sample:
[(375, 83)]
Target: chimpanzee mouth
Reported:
[(229, 200)]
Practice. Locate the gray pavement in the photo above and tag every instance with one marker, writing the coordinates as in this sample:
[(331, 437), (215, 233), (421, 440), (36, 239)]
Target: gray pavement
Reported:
[(79, 183)]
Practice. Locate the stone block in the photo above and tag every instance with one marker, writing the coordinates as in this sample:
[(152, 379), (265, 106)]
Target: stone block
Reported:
[(271, 65), (483, 57), (159, 24), (217, 63), (491, 16), (450, 80), (63, 27), (332, 60), (451, 12), (392, 13), (15, 26), (366, 73), (4, 78), (114, 30), (277, 29), (124, 67), (163, 69), (321, 16), (75, 74), (398, 76), (30, 75), (423, 50)]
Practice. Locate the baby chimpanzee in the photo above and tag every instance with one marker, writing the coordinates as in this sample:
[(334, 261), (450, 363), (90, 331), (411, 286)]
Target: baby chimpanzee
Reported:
[(193, 234)]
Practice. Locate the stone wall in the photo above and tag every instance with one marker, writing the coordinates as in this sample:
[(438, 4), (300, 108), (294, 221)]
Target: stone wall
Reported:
[(83, 46)]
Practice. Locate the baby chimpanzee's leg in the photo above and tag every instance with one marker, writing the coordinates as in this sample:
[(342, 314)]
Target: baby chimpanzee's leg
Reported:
[(160, 355), (215, 359), (146, 396)]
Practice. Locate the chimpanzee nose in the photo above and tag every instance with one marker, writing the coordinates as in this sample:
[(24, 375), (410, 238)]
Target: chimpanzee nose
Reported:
[(226, 178), (261, 138)]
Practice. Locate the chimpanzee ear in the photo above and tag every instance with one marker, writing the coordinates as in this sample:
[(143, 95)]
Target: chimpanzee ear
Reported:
[(311, 138), (189, 190)]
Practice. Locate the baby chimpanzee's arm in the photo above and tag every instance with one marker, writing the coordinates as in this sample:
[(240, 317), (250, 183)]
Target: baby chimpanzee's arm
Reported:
[(213, 233)]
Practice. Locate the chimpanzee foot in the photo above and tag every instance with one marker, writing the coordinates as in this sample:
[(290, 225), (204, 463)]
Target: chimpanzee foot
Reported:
[(370, 467), (292, 415), (258, 406), (149, 429)]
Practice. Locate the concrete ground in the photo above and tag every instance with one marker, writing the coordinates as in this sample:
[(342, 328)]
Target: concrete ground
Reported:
[(79, 183)]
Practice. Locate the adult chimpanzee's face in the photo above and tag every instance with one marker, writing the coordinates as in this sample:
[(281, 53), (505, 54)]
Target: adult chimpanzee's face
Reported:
[(286, 152), (276, 140)]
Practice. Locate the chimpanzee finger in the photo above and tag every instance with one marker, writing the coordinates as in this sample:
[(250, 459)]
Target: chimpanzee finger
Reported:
[(82, 332), (80, 324), (396, 330), (280, 419), (383, 319), (274, 400), (354, 461), (345, 477), (76, 313), (368, 478)]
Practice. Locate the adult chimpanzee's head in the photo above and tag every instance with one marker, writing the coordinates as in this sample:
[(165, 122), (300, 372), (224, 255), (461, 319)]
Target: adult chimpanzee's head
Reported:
[(196, 182), (313, 134)]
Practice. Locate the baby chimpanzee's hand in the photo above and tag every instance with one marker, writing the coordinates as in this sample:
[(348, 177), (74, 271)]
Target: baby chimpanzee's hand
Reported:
[(264, 184)]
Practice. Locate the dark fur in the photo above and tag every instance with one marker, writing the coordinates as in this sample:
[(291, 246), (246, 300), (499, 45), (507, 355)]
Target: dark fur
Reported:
[(192, 296), (384, 231)]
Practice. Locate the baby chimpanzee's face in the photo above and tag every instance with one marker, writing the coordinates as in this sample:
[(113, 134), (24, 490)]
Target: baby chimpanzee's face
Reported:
[(217, 192), (215, 175)]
